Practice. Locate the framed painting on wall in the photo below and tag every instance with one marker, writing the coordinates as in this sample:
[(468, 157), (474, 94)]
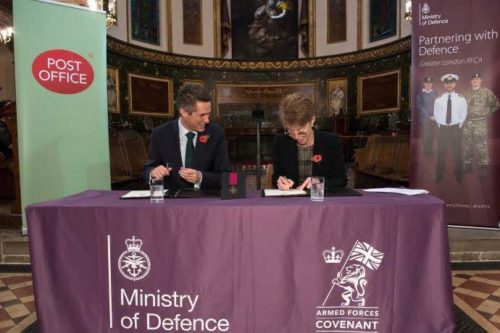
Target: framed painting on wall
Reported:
[(379, 93), (336, 30), (383, 19), (150, 95), (200, 83), (113, 84), (192, 22), (235, 102), (337, 97), (145, 21), (264, 30)]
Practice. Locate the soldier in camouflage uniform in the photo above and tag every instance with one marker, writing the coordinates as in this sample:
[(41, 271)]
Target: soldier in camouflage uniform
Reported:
[(481, 103)]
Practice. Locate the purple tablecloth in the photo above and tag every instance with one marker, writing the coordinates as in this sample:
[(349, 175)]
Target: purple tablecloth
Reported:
[(376, 263)]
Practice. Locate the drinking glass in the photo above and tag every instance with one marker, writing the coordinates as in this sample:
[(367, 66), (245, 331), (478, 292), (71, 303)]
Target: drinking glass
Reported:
[(156, 190), (317, 188)]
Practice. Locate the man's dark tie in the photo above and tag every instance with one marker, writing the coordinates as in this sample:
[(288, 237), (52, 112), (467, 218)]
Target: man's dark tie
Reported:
[(188, 162), (448, 110)]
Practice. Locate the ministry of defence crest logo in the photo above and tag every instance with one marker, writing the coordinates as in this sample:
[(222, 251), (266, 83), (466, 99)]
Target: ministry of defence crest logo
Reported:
[(426, 9), (133, 263), (344, 306)]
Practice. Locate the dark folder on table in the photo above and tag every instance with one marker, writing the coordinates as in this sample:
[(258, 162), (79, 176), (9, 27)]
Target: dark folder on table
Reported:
[(341, 192), (195, 193)]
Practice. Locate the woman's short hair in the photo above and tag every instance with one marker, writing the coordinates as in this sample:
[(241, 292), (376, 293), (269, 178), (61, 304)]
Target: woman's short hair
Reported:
[(296, 109)]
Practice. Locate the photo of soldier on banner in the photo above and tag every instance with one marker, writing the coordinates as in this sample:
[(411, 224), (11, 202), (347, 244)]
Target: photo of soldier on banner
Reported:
[(455, 139), (481, 103)]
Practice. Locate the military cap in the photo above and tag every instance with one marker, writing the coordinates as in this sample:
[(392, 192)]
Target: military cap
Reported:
[(447, 78), (475, 75), (428, 79)]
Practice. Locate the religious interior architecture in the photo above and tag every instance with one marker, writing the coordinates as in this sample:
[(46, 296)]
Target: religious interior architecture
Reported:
[(352, 58), (249, 60), (354, 63)]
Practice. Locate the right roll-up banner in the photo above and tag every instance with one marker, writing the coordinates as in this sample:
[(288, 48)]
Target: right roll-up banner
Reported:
[(455, 83)]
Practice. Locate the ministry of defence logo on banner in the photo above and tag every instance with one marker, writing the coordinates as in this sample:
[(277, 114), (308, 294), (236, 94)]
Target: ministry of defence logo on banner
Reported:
[(426, 17), (133, 263), (344, 308)]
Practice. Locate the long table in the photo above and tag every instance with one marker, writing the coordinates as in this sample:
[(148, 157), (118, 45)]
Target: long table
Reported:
[(375, 263)]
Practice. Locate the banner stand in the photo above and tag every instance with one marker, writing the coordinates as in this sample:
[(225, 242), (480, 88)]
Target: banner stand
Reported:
[(455, 135), (61, 100)]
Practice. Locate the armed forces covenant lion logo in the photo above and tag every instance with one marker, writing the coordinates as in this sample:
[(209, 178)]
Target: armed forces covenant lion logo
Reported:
[(353, 283), (344, 308), (133, 263)]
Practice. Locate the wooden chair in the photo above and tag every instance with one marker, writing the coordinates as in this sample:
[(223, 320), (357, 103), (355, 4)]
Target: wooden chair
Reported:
[(119, 166), (384, 158), (127, 156), (385, 161), (269, 176), (135, 151), (402, 159), (365, 158)]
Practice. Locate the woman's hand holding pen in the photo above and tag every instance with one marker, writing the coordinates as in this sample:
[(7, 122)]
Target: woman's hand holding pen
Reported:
[(284, 183)]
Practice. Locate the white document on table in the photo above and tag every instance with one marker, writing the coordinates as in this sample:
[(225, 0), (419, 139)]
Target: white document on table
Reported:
[(138, 194), (280, 193), (405, 191)]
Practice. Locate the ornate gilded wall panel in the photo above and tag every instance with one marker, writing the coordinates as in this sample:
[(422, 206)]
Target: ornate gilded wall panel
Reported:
[(391, 49), (214, 71)]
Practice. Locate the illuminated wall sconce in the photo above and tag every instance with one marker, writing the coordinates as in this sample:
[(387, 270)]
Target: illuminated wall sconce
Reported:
[(107, 5), (6, 35), (408, 11)]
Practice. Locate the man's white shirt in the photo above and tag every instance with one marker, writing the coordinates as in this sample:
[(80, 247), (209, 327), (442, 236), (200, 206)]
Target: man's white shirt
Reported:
[(458, 109)]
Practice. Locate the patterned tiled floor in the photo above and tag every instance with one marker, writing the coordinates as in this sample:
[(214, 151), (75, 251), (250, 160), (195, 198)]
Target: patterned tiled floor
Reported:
[(17, 303), (477, 293)]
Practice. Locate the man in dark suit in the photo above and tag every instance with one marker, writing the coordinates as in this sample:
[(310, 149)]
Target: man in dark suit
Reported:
[(188, 152)]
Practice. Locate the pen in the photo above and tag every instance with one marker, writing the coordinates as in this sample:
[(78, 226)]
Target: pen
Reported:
[(287, 181)]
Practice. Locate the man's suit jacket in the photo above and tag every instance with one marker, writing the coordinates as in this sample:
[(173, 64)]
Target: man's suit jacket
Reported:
[(210, 157), (331, 166)]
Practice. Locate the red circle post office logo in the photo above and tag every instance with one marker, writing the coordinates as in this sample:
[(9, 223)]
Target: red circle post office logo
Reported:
[(62, 71)]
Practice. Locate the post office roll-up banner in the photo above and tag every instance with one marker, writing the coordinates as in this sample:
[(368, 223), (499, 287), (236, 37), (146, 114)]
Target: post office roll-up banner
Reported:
[(455, 107), (60, 55)]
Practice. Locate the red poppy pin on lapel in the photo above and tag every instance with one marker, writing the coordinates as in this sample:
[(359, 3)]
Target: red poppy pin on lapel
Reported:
[(317, 158), (204, 138)]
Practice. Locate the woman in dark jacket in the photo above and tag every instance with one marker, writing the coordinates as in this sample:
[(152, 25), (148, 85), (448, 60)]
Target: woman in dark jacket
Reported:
[(302, 151)]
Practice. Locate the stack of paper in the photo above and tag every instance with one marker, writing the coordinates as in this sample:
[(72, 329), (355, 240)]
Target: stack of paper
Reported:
[(280, 193), (405, 191), (138, 194)]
